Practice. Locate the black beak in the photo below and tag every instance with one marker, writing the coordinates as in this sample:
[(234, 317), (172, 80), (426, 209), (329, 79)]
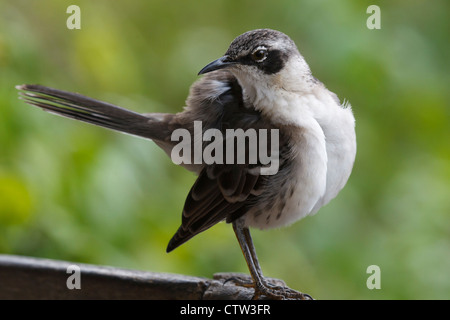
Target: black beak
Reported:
[(220, 63)]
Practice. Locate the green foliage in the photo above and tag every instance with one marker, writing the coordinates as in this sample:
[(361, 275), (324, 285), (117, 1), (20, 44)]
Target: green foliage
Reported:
[(72, 191)]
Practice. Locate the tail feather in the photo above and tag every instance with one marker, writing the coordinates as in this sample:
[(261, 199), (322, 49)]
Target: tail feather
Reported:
[(79, 107)]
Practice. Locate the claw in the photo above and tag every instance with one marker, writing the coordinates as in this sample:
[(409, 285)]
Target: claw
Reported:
[(268, 290), (271, 291)]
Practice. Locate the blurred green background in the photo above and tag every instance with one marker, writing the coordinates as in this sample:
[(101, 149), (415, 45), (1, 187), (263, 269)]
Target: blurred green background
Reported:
[(72, 191)]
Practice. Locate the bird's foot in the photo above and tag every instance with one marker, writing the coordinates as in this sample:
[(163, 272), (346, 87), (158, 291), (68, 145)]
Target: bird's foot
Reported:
[(269, 288)]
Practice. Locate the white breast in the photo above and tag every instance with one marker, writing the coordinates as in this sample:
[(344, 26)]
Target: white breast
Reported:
[(324, 153), (299, 192), (338, 125)]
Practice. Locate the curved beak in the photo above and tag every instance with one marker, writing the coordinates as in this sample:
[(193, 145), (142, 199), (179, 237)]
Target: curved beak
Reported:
[(220, 63)]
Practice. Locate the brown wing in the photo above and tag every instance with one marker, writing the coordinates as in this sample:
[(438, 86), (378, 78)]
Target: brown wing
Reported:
[(222, 191), (206, 203)]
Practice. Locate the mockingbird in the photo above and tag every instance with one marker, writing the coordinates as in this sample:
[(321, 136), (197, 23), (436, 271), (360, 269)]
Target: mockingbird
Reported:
[(261, 83)]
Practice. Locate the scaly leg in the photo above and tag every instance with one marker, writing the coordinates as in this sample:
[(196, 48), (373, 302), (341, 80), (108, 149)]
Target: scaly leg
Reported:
[(261, 285)]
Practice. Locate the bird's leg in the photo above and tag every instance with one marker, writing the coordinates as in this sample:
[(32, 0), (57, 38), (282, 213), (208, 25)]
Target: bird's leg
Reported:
[(253, 266), (261, 285)]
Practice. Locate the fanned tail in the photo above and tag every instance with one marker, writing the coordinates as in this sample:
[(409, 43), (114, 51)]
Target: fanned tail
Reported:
[(103, 114)]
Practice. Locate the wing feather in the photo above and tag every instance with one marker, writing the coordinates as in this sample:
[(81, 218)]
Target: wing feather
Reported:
[(222, 191)]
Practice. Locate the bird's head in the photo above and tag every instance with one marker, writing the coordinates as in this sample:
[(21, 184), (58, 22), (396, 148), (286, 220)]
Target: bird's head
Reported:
[(264, 59)]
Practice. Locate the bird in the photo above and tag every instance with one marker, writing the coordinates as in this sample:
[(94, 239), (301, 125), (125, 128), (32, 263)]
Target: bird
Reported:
[(262, 82)]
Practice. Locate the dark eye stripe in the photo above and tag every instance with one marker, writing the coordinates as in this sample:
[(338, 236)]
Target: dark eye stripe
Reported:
[(273, 63)]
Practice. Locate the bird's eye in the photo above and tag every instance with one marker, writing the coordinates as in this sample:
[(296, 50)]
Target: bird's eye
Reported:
[(259, 54)]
